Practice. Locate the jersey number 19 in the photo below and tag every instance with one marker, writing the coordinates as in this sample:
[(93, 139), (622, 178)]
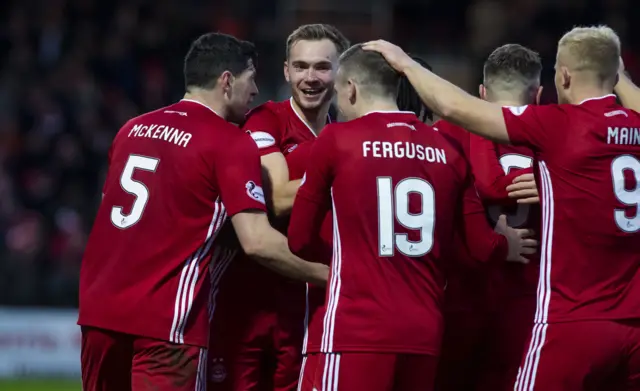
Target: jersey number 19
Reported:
[(393, 205)]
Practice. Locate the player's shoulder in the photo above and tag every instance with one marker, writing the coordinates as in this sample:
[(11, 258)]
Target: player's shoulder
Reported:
[(268, 108)]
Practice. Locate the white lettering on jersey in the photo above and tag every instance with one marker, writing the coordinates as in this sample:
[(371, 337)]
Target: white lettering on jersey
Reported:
[(614, 113), (263, 139), (403, 150), (623, 136), (161, 132), (394, 124), (254, 191), (517, 110)]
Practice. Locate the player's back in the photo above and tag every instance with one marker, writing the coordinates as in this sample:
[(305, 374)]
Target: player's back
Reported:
[(148, 253), (588, 157), (397, 190)]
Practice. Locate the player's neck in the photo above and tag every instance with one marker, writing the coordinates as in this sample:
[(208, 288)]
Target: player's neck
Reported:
[(377, 105), (208, 100), (579, 95), (314, 119), (510, 102)]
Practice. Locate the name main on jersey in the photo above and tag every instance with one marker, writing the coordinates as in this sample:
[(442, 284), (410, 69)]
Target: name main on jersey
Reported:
[(161, 132), (623, 136), (403, 150)]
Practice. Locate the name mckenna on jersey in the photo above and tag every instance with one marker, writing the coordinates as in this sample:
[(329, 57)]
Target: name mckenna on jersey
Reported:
[(161, 132), (403, 150)]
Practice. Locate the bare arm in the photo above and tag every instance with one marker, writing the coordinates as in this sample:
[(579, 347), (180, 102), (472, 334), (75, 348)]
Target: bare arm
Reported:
[(270, 248), (283, 191), (628, 92), (444, 98)]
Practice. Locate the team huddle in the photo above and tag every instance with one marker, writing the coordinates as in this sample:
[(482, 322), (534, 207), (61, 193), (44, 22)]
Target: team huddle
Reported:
[(340, 240)]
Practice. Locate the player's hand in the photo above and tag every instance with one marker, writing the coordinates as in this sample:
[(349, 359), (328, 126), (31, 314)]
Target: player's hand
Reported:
[(524, 189), (395, 56), (320, 274), (520, 241)]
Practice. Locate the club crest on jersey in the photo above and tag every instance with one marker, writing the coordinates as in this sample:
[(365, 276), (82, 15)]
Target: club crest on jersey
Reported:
[(517, 110), (262, 139), (217, 371), (254, 191)]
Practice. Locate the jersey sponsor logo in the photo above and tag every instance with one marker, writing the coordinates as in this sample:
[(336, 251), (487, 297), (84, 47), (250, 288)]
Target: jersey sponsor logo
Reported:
[(517, 110), (254, 191), (292, 148), (262, 139)]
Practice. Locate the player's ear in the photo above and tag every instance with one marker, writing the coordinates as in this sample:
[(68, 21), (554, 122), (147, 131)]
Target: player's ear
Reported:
[(286, 70), (538, 95), (352, 91), (225, 80), (566, 77), (482, 92)]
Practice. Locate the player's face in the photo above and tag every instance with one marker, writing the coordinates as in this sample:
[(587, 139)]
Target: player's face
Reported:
[(310, 70), (243, 90)]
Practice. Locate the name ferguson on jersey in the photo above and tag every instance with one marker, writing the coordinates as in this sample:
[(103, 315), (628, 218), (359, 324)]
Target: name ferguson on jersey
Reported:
[(403, 150), (161, 132)]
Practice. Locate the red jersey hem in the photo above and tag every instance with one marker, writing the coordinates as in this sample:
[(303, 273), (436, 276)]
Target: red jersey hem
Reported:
[(147, 334), (379, 349)]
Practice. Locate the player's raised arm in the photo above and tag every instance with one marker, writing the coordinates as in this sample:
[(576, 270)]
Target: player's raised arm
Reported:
[(628, 92), (242, 194), (445, 99), (314, 197)]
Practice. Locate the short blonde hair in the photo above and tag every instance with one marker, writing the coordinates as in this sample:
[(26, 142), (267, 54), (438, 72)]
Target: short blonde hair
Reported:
[(317, 32), (595, 49)]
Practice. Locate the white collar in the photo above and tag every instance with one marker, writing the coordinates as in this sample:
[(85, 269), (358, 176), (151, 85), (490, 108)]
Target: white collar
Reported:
[(597, 98), (201, 104)]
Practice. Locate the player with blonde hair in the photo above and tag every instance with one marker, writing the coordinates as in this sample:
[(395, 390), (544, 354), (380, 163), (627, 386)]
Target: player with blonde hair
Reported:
[(586, 331)]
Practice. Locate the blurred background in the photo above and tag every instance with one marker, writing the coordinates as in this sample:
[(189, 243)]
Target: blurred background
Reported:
[(73, 71)]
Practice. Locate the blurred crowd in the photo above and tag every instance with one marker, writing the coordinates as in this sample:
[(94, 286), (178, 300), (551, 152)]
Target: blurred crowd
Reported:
[(73, 71)]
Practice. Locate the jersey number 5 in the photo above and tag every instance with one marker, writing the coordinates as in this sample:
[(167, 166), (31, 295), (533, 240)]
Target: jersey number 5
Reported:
[(393, 204), (628, 197), (135, 188)]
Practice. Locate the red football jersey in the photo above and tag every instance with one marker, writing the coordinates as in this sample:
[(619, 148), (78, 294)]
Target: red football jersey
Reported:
[(174, 176), (277, 127), (468, 276), (395, 186), (496, 165), (588, 166)]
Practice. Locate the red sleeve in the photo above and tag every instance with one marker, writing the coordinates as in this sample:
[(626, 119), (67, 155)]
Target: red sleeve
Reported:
[(536, 127), (483, 243), (265, 129), (239, 176), (313, 200), (490, 178)]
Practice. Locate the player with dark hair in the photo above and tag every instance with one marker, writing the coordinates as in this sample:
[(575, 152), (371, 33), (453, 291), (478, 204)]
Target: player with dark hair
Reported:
[(409, 100), (263, 314), (488, 311), (586, 329), (382, 173), (175, 175)]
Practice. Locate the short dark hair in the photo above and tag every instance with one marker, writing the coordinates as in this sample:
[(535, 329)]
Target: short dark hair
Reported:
[(370, 70), (408, 98), (212, 54), (317, 32), (512, 68)]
